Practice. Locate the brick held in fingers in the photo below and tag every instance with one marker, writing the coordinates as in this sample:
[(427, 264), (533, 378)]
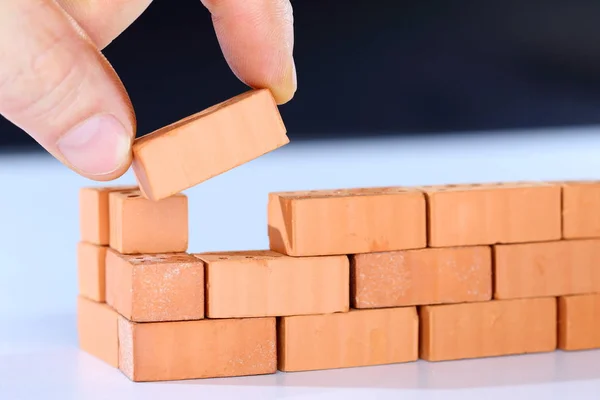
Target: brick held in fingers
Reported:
[(155, 287), (579, 322), (97, 330), (166, 351), (483, 214), (487, 329), (347, 221), (555, 268), (94, 214), (423, 276), (266, 283), (343, 340), (142, 226), (581, 209), (91, 271), (209, 143)]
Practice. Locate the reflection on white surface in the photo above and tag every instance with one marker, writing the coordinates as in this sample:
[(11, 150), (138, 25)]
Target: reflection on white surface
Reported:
[(39, 232), (53, 366)]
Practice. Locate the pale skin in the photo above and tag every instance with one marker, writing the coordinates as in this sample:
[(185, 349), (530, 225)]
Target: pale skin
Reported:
[(56, 85)]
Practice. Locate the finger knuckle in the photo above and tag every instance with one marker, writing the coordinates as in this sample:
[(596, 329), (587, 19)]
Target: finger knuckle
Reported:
[(40, 79)]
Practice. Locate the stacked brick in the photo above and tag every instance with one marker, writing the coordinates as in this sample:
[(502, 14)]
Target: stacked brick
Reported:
[(353, 277), (143, 298), (491, 269)]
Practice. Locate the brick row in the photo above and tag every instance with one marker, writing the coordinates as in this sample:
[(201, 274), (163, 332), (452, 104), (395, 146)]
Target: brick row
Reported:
[(165, 351), (251, 346), (475, 273), (382, 219), (180, 286)]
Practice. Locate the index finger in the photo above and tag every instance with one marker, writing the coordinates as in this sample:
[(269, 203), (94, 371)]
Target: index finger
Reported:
[(257, 39)]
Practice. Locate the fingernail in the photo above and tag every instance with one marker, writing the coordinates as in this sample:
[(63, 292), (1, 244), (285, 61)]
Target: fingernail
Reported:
[(294, 75), (98, 146), (286, 90)]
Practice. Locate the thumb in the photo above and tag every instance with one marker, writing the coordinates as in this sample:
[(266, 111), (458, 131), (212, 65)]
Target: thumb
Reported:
[(57, 86)]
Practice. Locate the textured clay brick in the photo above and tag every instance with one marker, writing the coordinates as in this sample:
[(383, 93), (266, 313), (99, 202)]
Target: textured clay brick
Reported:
[(91, 270), (467, 215), (97, 330), (93, 213), (487, 329), (156, 287), (581, 210), (162, 351), (547, 269), (266, 283), (579, 322), (349, 221), (139, 225), (419, 277), (207, 144), (353, 339)]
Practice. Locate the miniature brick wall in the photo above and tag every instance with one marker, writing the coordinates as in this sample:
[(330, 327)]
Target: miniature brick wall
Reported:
[(353, 277)]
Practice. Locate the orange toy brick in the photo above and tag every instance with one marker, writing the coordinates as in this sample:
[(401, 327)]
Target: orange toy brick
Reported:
[(419, 277), (93, 213), (343, 340), (266, 283), (207, 144), (547, 269), (579, 322), (329, 222), (91, 271), (164, 351), (155, 287), (487, 329), (139, 225), (97, 329), (468, 215), (581, 210)]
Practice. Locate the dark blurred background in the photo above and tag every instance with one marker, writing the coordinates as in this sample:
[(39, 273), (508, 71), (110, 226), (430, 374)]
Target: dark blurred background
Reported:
[(370, 68)]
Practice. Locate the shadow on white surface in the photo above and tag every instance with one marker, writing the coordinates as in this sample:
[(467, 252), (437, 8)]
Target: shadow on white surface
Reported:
[(490, 372), (45, 350)]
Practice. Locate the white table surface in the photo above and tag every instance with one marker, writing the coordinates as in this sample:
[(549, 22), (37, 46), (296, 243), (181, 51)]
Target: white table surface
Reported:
[(39, 358)]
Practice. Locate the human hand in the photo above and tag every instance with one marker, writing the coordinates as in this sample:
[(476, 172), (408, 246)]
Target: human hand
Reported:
[(56, 85)]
